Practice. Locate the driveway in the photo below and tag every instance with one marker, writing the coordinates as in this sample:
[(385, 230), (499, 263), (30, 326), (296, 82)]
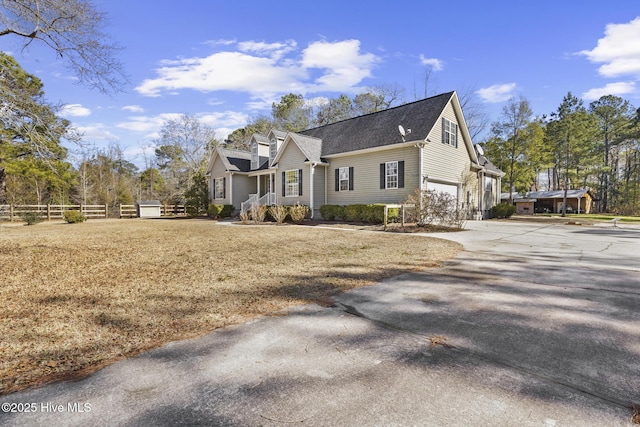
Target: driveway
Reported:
[(532, 325)]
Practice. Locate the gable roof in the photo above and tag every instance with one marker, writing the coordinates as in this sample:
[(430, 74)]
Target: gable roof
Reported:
[(381, 128), (233, 160), (311, 147)]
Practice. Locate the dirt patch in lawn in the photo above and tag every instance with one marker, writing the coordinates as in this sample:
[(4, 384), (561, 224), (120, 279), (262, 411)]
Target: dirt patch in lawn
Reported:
[(78, 296)]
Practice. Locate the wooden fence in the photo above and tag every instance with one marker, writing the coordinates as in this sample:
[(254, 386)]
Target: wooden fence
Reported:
[(129, 211), (49, 212), (13, 212)]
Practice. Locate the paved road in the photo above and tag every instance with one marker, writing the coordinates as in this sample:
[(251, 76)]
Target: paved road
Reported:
[(532, 325)]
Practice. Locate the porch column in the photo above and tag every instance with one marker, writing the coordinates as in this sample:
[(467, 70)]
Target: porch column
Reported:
[(259, 177), (311, 175), (231, 188), (578, 205)]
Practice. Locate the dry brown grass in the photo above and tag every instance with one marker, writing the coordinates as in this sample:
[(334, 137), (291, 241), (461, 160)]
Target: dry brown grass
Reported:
[(77, 297)]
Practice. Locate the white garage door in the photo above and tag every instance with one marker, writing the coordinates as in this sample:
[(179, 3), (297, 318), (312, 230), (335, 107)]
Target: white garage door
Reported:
[(444, 188)]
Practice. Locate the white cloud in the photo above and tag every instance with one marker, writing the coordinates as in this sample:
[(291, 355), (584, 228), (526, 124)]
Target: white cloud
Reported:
[(265, 69), (151, 125), (343, 64), (497, 93), (618, 50), (434, 63), (133, 108), (617, 89), (96, 132), (147, 124), (74, 110)]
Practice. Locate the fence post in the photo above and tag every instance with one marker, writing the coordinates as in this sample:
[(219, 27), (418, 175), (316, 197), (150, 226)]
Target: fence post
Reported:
[(402, 213), (386, 215), (48, 212), (120, 210), (106, 211), (11, 212)]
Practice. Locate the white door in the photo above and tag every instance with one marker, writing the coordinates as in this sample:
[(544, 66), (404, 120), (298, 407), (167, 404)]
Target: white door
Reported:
[(444, 188)]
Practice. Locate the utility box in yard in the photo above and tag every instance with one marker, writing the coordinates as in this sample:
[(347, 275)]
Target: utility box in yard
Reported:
[(149, 209)]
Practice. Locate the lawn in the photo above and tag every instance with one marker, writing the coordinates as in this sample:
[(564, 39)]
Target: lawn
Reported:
[(76, 297)]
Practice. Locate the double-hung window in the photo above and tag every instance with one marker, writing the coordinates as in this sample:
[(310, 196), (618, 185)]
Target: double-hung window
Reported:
[(449, 132), (344, 178), (273, 149), (391, 175), (218, 188), (254, 156), (292, 180)]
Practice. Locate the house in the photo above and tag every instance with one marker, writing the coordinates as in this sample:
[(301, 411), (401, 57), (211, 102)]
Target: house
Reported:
[(364, 159), (578, 201)]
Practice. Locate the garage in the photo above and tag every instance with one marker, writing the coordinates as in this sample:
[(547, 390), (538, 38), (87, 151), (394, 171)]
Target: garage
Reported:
[(443, 188)]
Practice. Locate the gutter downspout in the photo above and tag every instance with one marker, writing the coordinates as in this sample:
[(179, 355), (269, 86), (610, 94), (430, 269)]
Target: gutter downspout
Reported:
[(312, 167)]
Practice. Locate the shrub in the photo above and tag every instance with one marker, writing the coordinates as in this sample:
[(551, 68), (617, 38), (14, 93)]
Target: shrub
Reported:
[(73, 216), (244, 217), (278, 213), (31, 218), (298, 212), (503, 210), (355, 213), (213, 211), (373, 213), (227, 211), (219, 211), (332, 212), (258, 213), (437, 208)]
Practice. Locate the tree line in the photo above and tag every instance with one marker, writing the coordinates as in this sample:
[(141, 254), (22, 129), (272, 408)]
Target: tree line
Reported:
[(578, 146)]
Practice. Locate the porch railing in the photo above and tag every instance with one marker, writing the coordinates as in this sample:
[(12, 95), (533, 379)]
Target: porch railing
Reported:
[(248, 204), (254, 200)]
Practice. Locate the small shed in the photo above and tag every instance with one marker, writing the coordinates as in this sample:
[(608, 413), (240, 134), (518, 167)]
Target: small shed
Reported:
[(525, 206), (149, 209)]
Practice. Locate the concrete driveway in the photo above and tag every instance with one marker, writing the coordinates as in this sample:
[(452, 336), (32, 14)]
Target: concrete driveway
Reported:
[(532, 325)]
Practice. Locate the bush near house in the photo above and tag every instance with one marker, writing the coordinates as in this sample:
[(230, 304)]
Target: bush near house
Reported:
[(372, 213), (73, 216), (298, 212), (503, 210), (219, 211)]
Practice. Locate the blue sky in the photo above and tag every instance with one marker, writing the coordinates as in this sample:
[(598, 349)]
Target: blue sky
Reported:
[(227, 61)]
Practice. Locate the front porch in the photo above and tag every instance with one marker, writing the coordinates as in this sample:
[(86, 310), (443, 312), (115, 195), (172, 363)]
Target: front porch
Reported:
[(265, 185)]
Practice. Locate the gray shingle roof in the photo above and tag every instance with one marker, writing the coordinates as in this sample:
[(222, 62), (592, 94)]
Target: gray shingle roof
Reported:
[(311, 147), (381, 128), (239, 160)]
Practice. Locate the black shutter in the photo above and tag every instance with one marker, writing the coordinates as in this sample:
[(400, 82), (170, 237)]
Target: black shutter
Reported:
[(337, 179), (224, 188), (299, 182), (455, 135), (284, 185), (444, 132), (401, 174), (382, 177), (351, 178)]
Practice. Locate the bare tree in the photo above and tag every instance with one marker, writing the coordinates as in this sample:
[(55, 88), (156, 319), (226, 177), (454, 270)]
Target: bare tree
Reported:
[(73, 29)]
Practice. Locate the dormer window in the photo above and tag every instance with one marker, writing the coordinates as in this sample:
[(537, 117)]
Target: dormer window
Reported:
[(273, 149), (254, 156)]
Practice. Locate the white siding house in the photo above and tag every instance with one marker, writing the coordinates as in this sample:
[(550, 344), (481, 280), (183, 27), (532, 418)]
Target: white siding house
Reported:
[(362, 160)]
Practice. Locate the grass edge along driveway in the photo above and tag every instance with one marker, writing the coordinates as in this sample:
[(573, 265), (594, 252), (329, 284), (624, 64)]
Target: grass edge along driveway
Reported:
[(77, 297)]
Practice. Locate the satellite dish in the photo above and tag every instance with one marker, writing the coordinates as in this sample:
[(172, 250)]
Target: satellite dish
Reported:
[(401, 129), (480, 149)]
